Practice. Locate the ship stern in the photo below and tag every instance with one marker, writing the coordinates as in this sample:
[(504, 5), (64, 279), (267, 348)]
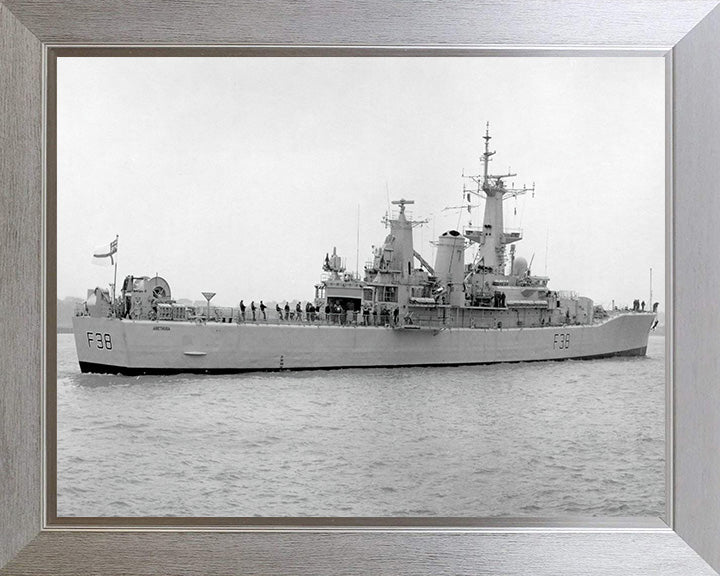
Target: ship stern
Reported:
[(100, 345)]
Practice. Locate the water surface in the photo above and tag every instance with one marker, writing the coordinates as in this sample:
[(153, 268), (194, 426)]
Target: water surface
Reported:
[(529, 439)]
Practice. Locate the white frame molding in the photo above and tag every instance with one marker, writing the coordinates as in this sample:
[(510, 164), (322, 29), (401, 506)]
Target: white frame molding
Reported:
[(681, 30)]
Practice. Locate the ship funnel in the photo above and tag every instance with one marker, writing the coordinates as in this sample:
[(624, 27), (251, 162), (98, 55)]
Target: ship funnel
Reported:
[(450, 266)]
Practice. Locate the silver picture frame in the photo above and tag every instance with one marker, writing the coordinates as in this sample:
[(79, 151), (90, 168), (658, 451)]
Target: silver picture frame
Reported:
[(29, 543)]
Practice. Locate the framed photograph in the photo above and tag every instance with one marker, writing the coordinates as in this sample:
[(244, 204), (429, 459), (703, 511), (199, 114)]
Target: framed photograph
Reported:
[(421, 380), (329, 191)]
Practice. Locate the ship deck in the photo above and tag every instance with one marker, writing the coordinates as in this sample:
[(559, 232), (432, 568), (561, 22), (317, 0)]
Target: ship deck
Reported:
[(414, 325)]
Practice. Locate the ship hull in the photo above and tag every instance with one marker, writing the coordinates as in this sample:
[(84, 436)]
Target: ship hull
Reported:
[(111, 345)]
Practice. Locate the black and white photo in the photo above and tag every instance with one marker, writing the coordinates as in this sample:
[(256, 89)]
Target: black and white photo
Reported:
[(361, 287)]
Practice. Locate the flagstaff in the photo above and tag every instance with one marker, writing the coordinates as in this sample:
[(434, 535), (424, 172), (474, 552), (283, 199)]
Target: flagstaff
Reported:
[(107, 251), (651, 300)]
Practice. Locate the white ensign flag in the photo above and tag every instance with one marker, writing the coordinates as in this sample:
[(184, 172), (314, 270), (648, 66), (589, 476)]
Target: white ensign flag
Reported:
[(105, 251)]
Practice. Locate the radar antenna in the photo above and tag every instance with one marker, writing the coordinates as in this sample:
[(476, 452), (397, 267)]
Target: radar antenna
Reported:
[(401, 216), (494, 183)]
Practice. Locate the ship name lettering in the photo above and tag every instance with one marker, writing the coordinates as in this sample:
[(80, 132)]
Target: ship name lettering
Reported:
[(561, 341), (103, 341)]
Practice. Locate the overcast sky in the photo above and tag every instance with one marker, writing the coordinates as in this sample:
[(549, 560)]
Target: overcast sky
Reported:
[(238, 175)]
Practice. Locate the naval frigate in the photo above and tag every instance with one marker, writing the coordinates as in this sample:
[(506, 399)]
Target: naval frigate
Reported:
[(476, 304)]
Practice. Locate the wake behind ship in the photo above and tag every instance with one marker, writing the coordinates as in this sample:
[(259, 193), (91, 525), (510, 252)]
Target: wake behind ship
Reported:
[(474, 305)]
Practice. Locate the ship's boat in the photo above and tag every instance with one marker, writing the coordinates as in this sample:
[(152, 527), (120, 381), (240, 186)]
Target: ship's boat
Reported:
[(485, 308)]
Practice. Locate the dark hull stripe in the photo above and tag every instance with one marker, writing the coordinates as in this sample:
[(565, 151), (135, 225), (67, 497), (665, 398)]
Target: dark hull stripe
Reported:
[(92, 367)]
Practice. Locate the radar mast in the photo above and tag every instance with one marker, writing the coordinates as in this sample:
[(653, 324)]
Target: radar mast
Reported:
[(492, 237)]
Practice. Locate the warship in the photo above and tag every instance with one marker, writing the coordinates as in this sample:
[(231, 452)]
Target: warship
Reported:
[(476, 304)]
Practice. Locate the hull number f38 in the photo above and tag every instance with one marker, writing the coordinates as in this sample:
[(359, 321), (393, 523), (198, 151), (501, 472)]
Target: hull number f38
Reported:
[(102, 341), (561, 341)]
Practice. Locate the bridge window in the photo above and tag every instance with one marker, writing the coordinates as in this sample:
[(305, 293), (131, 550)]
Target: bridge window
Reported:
[(390, 294)]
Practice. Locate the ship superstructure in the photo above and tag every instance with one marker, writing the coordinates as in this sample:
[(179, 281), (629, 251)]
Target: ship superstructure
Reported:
[(487, 292), (471, 306)]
